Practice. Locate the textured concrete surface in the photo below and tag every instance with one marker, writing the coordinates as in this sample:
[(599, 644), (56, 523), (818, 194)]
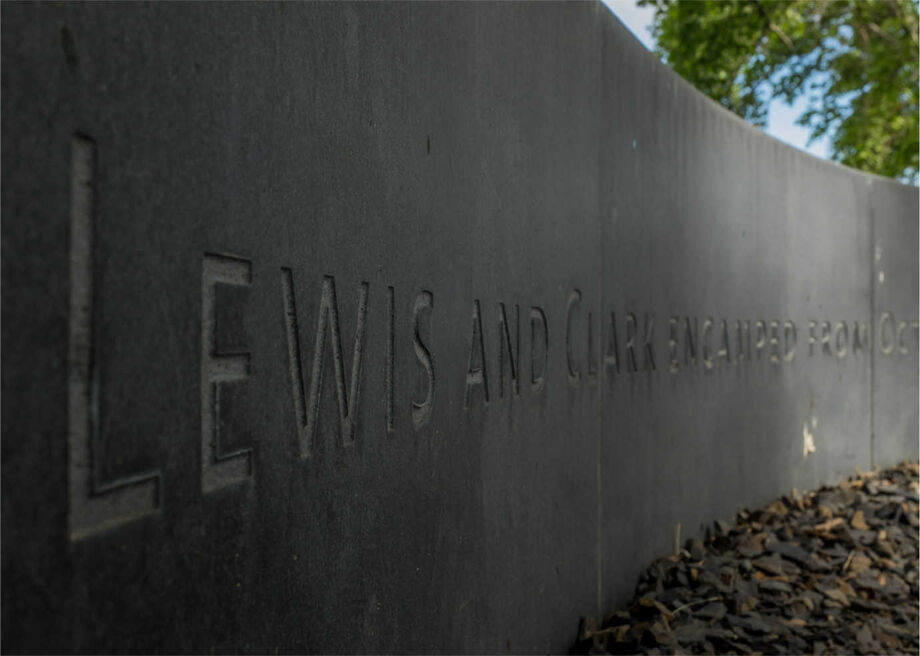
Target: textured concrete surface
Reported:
[(338, 327)]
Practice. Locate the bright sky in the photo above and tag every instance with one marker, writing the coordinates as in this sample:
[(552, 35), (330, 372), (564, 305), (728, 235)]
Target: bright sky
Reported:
[(781, 120)]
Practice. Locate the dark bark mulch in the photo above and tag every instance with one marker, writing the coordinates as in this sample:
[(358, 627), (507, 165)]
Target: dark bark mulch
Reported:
[(830, 572)]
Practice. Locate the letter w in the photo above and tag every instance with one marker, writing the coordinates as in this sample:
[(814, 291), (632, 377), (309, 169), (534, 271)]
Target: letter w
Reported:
[(306, 408)]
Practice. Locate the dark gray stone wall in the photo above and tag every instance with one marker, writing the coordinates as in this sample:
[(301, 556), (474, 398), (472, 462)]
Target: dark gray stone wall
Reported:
[(564, 304), (894, 312)]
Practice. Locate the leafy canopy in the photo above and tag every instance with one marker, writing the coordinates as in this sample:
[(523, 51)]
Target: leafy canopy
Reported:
[(855, 62)]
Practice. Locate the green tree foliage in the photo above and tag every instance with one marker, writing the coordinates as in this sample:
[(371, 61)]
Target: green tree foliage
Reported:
[(855, 61)]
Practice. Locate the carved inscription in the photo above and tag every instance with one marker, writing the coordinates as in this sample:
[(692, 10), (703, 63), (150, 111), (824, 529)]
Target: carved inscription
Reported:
[(220, 467), (390, 372), (476, 375), (421, 412), (689, 341), (743, 340), (790, 338), (724, 352), (612, 356), (708, 342), (631, 364), (760, 337), (538, 327), (774, 342), (860, 336), (673, 337), (722, 342), (841, 335), (826, 338), (886, 333), (704, 343), (893, 336), (573, 302), (513, 348), (306, 405), (509, 359), (834, 340), (94, 504)]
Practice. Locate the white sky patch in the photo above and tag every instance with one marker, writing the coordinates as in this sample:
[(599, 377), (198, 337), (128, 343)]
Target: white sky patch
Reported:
[(637, 20)]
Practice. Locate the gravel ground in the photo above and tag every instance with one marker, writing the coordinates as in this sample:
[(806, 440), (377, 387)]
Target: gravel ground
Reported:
[(830, 572)]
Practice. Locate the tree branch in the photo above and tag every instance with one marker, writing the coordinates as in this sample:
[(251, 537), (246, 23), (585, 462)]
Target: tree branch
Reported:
[(774, 28)]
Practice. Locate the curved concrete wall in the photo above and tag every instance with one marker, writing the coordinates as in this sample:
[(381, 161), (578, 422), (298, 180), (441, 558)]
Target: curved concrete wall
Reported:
[(407, 327)]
